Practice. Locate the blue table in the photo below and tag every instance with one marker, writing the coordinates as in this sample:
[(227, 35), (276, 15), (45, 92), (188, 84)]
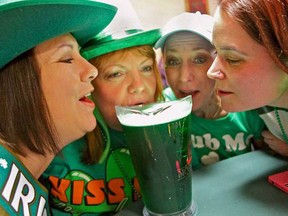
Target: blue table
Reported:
[(236, 187)]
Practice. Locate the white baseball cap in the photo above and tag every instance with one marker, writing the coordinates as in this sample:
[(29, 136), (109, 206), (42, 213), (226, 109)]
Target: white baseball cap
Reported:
[(198, 23)]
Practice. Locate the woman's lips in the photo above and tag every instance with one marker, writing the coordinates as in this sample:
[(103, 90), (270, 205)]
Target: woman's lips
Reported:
[(87, 101), (222, 93), (186, 93), (136, 104)]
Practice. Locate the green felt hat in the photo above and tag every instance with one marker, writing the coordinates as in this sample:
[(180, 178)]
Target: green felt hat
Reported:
[(114, 42), (27, 23), (124, 31)]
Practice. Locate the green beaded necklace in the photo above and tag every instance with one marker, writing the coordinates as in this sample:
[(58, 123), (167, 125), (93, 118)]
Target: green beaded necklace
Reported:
[(281, 125), (122, 169)]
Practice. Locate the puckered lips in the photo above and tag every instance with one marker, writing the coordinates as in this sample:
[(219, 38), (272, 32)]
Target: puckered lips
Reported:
[(222, 93), (137, 102), (185, 93)]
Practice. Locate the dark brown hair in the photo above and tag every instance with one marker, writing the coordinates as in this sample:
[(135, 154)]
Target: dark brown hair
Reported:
[(25, 119), (265, 21)]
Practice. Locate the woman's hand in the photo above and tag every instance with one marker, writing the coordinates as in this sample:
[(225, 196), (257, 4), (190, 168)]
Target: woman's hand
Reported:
[(276, 144)]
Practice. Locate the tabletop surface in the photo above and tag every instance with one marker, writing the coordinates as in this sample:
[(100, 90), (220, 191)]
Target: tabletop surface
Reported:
[(237, 186)]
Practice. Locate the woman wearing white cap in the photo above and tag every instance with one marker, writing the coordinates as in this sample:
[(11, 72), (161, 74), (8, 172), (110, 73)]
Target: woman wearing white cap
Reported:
[(188, 54), (97, 177), (44, 85)]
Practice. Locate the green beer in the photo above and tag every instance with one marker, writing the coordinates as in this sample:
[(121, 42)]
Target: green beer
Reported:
[(159, 141)]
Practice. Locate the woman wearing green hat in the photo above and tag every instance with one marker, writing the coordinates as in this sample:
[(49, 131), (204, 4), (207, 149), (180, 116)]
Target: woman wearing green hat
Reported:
[(42, 74), (128, 75)]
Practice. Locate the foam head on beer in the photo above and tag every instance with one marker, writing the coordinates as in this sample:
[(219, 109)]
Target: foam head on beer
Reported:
[(155, 113)]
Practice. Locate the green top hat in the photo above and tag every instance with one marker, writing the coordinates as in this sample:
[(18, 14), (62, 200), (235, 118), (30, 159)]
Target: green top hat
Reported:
[(124, 31), (27, 23)]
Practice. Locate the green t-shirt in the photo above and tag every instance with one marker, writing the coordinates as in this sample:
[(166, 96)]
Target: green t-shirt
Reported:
[(77, 188), (218, 139)]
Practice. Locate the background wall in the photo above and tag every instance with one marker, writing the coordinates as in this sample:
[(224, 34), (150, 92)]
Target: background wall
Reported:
[(212, 4), (155, 13)]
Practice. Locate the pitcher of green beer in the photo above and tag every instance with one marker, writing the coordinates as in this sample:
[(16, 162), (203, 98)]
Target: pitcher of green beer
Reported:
[(159, 141)]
